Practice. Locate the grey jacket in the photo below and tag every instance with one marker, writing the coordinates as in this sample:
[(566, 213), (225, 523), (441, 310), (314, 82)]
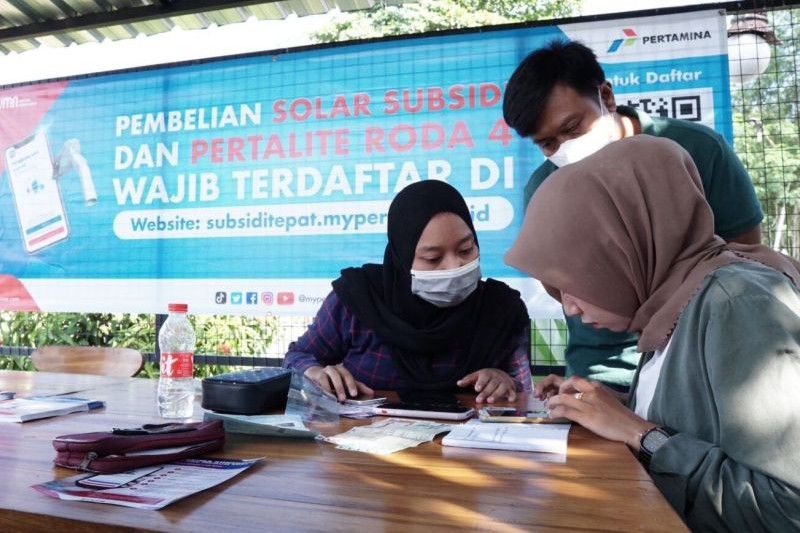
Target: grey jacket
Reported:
[(730, 386)]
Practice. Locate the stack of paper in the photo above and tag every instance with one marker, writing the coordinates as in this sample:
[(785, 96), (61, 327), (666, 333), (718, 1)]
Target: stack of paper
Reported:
[(550, 438)]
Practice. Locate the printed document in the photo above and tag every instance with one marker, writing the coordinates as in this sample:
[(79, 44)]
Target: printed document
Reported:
[(550, 438), (153, 489)]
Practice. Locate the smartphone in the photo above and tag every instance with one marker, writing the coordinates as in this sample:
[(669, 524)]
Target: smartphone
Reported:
[(37, 198), (113, 481), (425, 410), (359, 401), (365, 401), (512, 414)]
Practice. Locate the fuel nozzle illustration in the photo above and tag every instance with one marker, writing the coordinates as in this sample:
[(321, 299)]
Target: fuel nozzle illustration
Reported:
[(71, 159)]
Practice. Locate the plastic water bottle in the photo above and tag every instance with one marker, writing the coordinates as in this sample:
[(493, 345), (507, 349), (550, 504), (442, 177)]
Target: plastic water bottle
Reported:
[(175, 385)]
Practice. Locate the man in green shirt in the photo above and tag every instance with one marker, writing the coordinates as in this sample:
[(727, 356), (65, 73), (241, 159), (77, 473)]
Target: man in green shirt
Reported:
[(559, 98)]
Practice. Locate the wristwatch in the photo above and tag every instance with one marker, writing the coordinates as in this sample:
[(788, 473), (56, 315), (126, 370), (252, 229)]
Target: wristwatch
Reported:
[(650, 441)]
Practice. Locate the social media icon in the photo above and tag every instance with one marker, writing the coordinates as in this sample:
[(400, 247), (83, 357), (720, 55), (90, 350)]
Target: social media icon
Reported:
[(221, 297), (252, 298), (285, 298), (236, 298), (267, 298)]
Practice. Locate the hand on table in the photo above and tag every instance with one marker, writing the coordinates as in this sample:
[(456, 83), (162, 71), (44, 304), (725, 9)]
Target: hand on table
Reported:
[(550, 386), (554, 384), (491, 384), (337, 380), (598, 409)]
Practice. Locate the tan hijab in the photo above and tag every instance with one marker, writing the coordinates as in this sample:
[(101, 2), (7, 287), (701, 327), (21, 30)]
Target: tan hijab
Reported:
[(628, 229)]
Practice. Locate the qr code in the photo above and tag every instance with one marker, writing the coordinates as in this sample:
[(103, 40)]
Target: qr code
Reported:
[(685, 107)]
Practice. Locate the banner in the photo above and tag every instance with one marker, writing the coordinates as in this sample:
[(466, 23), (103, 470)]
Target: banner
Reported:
[(244, 185)]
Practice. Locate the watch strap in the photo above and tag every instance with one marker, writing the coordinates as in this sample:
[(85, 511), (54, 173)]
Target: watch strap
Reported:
[(646, 454)]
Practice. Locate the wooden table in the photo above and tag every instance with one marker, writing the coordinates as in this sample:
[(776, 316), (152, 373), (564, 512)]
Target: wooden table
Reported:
[(308, 485)]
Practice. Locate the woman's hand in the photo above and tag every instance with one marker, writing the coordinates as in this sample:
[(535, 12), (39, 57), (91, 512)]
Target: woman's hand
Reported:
[(598, 409), (337, 380), (553, 384), (549, 386), (491, 384)]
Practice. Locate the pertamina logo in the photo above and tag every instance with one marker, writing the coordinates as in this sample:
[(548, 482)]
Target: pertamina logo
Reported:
[(632, 37)]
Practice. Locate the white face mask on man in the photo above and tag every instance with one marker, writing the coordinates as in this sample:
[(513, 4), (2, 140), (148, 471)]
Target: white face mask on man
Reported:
[(601, 135), (446, 288)]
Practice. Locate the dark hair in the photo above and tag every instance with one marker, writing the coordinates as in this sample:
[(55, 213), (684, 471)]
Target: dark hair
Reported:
[(560, 61)]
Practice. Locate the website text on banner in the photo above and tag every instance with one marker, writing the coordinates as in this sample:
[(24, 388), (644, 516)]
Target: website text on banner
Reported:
[(243, 185)]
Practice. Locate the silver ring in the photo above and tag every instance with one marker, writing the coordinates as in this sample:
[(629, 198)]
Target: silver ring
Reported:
[(578, 395)]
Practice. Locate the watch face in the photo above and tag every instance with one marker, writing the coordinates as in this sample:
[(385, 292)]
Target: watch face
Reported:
[(654, 439)]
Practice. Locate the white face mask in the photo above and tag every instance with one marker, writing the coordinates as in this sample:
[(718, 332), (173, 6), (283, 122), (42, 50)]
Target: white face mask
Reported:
[(446, 288), (601, 135)]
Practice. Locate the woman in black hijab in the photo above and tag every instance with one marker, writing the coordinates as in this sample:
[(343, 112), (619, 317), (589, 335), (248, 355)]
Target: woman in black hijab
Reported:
[(423, 319)]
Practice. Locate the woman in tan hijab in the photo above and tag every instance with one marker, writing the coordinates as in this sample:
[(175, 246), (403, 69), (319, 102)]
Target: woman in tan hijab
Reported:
[(624, 239)]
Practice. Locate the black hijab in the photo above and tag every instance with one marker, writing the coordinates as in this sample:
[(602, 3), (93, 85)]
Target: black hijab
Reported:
[(486, 323)]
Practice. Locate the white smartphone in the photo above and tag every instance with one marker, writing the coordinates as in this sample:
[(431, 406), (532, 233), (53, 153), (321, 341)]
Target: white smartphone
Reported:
[(424, 410), (37, 198)]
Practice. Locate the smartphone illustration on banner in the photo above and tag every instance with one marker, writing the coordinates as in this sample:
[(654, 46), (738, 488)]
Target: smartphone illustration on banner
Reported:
[(37, 197)]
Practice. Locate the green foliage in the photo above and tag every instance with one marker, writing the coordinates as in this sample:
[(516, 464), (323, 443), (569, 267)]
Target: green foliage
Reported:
[(216, 335), (16, 363), (766, 130), (39, 329), (435, 15)]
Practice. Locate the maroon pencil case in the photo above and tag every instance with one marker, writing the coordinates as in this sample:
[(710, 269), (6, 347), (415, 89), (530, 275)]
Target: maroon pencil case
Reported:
[(121, 450)]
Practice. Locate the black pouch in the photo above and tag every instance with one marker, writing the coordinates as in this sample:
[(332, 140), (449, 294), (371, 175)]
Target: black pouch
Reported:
[(247, 392)]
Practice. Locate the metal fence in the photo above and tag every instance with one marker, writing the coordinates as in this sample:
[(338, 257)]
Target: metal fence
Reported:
[(767, 138)]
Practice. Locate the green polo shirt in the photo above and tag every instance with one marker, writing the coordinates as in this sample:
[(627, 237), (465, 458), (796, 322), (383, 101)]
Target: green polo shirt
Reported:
[(611, 357)]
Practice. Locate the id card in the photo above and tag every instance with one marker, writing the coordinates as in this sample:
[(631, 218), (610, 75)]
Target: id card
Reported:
[(37, 198)]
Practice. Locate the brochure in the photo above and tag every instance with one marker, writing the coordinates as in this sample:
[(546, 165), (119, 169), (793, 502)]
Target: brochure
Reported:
[(33, 408), (149, 487)]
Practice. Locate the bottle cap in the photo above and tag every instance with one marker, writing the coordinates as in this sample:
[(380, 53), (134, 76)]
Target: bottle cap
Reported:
[(178, 308)]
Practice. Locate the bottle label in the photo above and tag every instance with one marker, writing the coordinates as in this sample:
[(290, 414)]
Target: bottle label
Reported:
[(176, 364)]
